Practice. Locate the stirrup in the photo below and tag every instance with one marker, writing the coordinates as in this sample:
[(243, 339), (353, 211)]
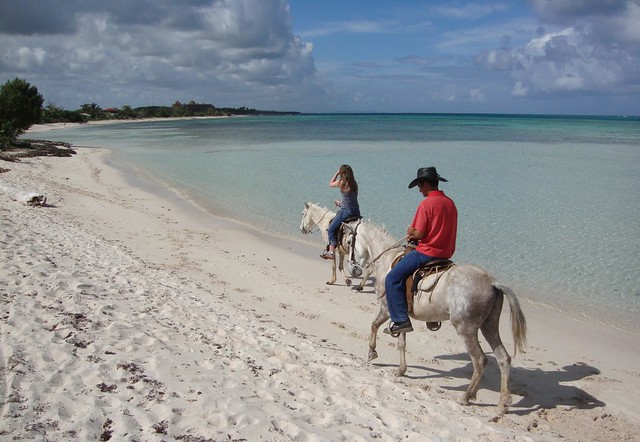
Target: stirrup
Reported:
[(327, 255), (434, 326), (387, 330), (393, 335), (398, 332)]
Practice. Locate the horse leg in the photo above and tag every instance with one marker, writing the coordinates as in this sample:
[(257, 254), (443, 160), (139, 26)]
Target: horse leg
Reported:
[(333, 272), (402, 348), (364, 280), (491, 331), (383, 316), (479, 361), (341, 254)]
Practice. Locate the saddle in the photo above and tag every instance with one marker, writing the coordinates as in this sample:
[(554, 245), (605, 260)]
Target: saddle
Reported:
[(345, 230), (434, 267)]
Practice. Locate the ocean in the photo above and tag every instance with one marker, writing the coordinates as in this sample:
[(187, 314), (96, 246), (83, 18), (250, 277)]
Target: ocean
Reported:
[(548, 204)]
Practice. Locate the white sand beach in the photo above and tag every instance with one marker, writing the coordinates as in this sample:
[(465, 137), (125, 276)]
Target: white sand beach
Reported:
[(131, 315)]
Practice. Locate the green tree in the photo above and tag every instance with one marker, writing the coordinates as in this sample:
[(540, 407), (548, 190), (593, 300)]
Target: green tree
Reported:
[(178, 110), (20, 107), (127, 112), (55, 114), (93, 110)]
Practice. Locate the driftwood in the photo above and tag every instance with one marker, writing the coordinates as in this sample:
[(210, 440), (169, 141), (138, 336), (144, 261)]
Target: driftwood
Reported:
[(31, 148), (36, 148), (28, 198)]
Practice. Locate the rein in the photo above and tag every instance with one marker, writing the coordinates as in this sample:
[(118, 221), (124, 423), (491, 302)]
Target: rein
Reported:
[(317, 223), (393, 246)]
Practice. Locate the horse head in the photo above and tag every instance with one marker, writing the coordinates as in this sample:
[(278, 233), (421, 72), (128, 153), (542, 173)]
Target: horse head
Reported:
[(307, 223), (314, 215)]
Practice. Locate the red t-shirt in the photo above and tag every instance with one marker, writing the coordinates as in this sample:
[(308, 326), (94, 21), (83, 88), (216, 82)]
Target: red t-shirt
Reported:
[(437, 217)]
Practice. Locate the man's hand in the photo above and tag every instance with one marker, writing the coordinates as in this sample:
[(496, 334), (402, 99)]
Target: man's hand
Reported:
[(410, 231), (414, 234)]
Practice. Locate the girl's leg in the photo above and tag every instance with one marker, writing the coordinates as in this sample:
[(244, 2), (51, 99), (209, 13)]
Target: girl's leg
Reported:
[(333, 229)]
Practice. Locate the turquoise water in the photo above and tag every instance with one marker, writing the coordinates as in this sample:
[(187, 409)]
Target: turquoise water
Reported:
[(550, 205)]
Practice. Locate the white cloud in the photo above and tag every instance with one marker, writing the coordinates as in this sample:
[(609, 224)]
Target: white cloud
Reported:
[(477, 95), (471, 10), (204, 52), (569, 61), (599, 54), (519, 90), (348, 27), (400, 57)]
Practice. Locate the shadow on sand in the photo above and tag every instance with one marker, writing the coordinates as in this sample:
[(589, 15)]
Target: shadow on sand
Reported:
[(538, 389)]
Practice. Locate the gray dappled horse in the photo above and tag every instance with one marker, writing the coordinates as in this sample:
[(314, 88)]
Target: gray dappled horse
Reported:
[(316, 216), (466, 295)]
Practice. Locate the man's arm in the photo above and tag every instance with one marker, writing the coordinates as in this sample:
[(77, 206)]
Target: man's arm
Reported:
[(414, 233)]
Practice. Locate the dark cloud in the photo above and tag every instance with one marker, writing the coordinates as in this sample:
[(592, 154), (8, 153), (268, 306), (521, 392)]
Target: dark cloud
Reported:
[(30, 17), (244, 52), (197, 49), (566, 12)]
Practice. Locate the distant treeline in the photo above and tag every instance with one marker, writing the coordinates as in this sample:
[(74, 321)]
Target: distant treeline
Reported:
[(93, 112)]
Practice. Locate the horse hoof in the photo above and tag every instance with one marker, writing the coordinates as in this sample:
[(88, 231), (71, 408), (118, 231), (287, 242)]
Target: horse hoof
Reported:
[(348, 282), (358, 288), (372, 355), (500, 414), (466, 398)]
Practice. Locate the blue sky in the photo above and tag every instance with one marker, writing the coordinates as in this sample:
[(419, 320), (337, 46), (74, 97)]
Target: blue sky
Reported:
[(536, 56)]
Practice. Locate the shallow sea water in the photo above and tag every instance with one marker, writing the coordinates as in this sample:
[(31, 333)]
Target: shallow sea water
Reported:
[(550, 205)]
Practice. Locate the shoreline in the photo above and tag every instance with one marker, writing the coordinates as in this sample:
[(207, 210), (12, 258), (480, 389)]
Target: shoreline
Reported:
[(46, 127), (556, 282), (576, 380)]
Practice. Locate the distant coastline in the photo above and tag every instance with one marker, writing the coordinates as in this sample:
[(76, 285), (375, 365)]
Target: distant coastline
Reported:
[(45, 127)]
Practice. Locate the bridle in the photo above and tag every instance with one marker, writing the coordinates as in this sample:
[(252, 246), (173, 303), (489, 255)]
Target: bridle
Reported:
[(307, 231)]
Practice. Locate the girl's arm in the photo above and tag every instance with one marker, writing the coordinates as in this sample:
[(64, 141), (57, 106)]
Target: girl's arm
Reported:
[(335, 180)]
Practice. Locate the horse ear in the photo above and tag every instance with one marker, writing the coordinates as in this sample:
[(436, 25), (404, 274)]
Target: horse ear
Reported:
[(306, 205)]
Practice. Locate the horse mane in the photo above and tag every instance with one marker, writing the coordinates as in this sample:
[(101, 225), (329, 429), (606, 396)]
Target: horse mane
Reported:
[(309, 203), (380, 231)]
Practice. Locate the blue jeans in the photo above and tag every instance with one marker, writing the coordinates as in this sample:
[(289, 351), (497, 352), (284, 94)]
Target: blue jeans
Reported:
[(337, 222), (395, 283)]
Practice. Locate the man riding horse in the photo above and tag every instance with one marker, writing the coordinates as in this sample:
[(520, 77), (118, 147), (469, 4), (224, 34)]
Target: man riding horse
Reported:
[(434, 227)]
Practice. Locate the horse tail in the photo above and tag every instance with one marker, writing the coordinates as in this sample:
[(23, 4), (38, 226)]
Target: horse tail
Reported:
[(518, 322)]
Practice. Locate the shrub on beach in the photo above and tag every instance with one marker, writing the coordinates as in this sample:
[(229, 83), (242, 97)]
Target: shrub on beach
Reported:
[(55, 114), (20, 107)]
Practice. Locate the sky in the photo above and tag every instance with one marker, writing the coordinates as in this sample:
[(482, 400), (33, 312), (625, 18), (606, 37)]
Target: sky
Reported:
[(453, 56)]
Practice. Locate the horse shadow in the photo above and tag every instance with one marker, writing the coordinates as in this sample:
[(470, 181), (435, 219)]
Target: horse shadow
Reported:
[(368, 286), (538, 389)]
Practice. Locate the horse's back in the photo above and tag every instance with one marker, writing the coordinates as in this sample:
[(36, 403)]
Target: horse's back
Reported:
[(463, 292)]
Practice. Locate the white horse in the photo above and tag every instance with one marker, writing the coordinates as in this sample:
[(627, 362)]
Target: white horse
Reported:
[(465, 294), (316, 216)]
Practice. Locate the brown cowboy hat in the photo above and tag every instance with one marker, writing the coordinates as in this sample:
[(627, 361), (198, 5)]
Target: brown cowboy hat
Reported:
[(426, 174)]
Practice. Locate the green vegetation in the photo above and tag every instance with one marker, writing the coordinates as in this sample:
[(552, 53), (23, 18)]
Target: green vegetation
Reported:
[(20, 107), (93, 112)]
